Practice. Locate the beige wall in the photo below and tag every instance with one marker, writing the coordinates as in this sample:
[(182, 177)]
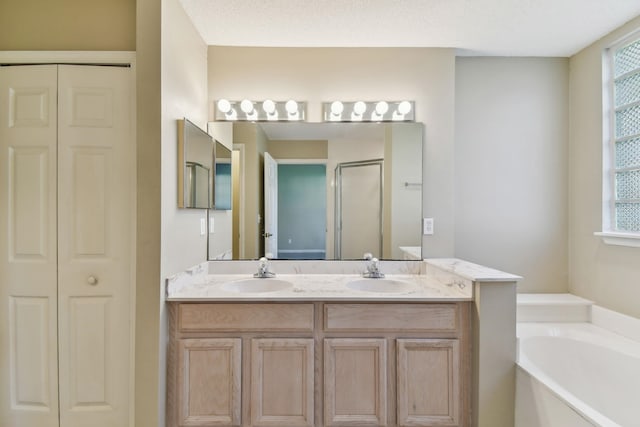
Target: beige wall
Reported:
[(323, 74), (148, 110), (67, 25), (184, 94), (307, 149), (608, 275), (171, 84), (511, 161)]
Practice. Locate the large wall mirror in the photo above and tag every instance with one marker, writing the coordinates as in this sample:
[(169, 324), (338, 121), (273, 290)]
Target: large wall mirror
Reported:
[(324, 191)]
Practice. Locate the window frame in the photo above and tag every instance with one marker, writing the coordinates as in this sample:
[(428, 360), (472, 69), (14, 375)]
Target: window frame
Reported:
[(609, 233)]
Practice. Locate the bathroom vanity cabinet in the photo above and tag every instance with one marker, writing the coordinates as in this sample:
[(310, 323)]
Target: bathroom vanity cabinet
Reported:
[(315, 363)]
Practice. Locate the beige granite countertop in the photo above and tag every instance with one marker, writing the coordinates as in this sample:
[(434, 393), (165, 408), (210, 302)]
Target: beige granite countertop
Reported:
[(443, 279), (323, 287)]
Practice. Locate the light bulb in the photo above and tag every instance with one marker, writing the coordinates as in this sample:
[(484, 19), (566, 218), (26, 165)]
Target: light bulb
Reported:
[(359, 108), (404, 107), (246, 106), (224, 106), (291, 106), (337, 108), (381, 108), (269, 106)]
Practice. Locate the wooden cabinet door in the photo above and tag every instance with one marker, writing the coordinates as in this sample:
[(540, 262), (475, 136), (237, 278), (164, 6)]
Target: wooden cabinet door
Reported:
[(282, 382), (428, 382), (209, 382), (355, 382)]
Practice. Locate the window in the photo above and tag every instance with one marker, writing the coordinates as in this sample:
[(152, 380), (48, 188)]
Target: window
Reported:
[(622, 154)]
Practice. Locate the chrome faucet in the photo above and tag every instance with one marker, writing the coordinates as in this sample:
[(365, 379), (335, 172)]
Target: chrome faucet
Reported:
[(373, 270), (263, 269)]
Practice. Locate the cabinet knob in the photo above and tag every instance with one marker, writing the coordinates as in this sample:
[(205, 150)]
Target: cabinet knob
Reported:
[(92, 280)]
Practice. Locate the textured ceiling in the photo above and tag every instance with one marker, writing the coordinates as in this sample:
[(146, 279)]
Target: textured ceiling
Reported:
[(475, 27)]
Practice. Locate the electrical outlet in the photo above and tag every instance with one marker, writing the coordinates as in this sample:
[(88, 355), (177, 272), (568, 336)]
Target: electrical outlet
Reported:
[(211, 224), (427, 226), (203, 226)]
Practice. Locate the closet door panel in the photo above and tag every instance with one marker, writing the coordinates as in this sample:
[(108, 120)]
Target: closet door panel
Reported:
[(90, 380), (29, 228), (90, 194), (95, 243), (30, 369), (28, 256)]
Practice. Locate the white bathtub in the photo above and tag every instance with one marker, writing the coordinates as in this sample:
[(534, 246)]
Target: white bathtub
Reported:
[(576, 375)]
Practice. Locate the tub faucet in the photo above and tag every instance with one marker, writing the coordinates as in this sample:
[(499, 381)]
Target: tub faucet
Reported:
[(263, 269), (373, 269)]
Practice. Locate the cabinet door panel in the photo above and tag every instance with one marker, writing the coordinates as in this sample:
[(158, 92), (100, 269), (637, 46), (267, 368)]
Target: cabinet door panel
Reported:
[(282, 382), (355, 382), (209, 382), (428, 382)]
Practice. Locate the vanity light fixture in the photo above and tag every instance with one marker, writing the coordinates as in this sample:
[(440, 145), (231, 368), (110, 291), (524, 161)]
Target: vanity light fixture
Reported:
[(260, 111), (382, 107), (269, 106), (293, 111), (248, 109), (224, 106), (336, 108), (359, 108), (369, 111)]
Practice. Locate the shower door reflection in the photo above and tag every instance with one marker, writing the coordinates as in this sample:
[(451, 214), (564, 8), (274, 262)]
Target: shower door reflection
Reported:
[(359, 193)]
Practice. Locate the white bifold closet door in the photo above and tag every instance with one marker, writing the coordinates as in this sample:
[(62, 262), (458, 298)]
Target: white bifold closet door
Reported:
[(66, 238)]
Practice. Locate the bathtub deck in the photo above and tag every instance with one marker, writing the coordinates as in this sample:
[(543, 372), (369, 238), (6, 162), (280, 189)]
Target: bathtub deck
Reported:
[(553, 308)]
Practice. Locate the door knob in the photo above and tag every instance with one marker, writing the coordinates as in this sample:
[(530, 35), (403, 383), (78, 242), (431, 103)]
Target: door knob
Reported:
[(92, 280), (267, 235)]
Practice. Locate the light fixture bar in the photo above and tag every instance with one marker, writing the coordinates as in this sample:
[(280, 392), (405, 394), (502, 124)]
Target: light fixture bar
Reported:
[(369, 111), (260, 111)]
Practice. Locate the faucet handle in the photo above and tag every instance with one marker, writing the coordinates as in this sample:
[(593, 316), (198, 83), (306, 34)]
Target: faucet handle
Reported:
[(263, 269), (373, 269), (367, 256)]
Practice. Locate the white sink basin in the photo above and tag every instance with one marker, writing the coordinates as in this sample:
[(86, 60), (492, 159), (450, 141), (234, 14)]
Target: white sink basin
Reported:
[(381, 285), (257, 285)]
